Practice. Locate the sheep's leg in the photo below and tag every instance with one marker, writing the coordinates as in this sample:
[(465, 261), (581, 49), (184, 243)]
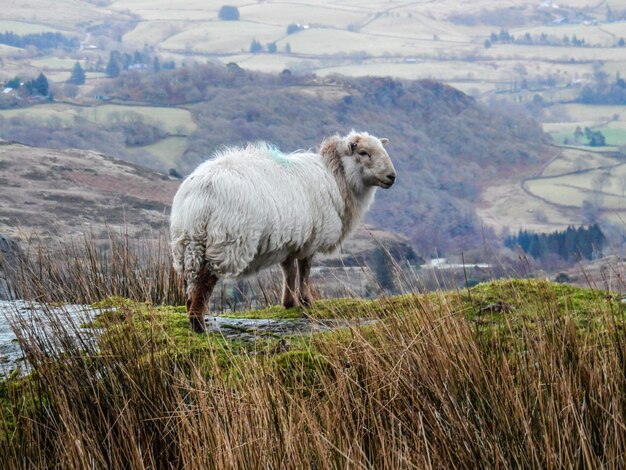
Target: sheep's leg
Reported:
[(197, 305), (289, 282), (304, 282), (187, 298)]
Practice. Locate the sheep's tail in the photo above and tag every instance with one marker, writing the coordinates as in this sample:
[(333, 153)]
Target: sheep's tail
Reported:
[(188, 260)]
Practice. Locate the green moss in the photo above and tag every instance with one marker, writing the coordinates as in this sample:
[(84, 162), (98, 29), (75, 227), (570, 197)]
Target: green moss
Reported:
[(335, 308), (501, 309), (499, 312), (304, 369)]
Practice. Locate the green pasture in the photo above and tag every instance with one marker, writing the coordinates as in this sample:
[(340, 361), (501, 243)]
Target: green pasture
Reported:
[(222, 36), (549, 53), (21, 27), (166, 10), (42, 112), (58, 76), (323, 41), (614, 138), (56, 63), (573, 190), (327, 14), (596, 113), (152, 32), (8, 51), (407, 23), (172, 120), (572, 159), (60, 14), (167, 151)]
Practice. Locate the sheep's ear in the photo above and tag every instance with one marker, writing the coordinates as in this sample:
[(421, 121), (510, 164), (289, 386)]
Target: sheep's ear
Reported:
[(384, 141), (352, 147)]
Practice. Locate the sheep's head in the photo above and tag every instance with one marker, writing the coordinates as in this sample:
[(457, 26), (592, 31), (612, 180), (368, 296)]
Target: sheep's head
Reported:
[(365, 161)]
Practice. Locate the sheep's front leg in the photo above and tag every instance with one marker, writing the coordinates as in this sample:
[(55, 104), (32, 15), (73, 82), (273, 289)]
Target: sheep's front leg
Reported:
[(289, 282), (304, 281), (197, 304)]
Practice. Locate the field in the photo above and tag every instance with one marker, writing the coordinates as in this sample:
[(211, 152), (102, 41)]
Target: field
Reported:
[(176, 122), (64, 15), (20, 27), (172, 120), (553, 198), (168, 151), (405, 40), (355, 39), (220, 37)]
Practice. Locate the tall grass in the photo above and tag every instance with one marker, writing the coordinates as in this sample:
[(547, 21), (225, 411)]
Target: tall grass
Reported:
[(430, 385), (88, 269)]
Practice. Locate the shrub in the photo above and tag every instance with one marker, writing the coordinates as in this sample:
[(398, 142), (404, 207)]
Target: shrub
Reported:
[(229, 13)]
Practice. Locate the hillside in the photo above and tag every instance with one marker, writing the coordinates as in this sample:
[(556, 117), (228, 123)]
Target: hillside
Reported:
[(56, 194), (446, 146), (558, 61), (67, 192)]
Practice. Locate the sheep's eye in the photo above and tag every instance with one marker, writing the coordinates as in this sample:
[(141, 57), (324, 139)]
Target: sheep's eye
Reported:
[(363, 153)]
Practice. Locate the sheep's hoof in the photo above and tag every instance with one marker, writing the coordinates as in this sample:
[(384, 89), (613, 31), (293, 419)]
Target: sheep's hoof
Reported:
[(289, 303), (305, 301), (197, 324)]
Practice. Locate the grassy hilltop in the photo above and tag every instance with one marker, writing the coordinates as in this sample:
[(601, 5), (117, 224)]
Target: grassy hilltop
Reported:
[(510, 373)]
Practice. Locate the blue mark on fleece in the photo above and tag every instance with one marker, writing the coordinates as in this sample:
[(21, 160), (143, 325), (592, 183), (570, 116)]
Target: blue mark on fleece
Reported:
[(278, 156)]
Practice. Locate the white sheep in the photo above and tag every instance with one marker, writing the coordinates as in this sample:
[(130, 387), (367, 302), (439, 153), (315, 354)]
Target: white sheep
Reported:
[(250, 208)]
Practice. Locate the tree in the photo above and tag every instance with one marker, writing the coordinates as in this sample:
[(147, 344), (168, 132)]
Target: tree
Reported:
[(229, 13), (487, 44), (621, 42), (41, 85), (156, 65), (15, 83), (287, 48), (293, 28), (596, 138), (271, 47), (382, 265), (578, 134), (113, 67), (78, 75), (255, 46)]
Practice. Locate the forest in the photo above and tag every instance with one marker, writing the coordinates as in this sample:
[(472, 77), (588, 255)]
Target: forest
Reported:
[(41, 41), (572, 244)]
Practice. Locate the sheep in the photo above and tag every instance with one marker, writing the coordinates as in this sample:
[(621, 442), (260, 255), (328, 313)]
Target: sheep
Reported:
[(250, 208)]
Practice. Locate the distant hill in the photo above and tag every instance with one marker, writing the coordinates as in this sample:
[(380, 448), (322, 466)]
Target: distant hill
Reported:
[(445, 145), (55, 193)]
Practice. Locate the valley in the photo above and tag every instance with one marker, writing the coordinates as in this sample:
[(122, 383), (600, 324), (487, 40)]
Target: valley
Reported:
[(520, 57)]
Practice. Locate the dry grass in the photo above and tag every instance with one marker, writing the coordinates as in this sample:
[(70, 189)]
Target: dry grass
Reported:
[(86, 270), (440, 381)]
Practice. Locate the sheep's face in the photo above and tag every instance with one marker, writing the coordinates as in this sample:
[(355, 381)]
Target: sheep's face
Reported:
[(366, 162)]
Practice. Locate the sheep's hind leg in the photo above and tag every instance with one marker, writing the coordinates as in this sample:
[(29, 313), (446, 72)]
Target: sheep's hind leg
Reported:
[(289, 282), (304, 282), (197, 305)]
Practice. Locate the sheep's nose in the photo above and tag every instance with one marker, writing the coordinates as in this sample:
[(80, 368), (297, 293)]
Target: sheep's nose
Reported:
[(391, 178)]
